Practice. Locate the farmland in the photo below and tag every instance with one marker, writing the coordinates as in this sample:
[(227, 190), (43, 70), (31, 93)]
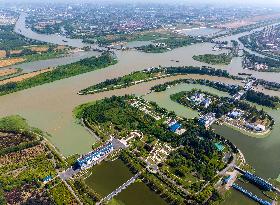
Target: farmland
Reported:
[(26, 159)]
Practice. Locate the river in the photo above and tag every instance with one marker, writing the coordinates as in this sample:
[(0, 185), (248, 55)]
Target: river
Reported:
[(49, 107), (21, 28), (54, 62)]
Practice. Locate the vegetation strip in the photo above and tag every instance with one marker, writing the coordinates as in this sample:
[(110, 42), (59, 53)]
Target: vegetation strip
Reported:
[(151, 74), (156, 73), (61, 72)]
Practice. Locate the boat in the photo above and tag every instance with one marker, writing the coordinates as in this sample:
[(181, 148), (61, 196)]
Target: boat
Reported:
[(248, 74)]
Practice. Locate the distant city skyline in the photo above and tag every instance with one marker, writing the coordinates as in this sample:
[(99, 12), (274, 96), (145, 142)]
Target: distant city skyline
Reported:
[(252, 2)]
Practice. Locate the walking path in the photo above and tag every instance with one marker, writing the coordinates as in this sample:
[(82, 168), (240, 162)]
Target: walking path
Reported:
[(72, 192), (119, 189), (89, 130)]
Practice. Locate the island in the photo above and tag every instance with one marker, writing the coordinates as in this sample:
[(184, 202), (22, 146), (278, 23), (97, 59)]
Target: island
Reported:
[(213, 59), (225, 110), (168, 44), (154, 73)]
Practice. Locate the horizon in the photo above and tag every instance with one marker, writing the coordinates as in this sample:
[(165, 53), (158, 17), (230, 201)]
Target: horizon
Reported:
[(216, 2)]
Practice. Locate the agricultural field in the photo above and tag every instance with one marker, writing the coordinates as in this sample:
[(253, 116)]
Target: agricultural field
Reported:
[(9, 71), (24, 76), (12, 61), (28, 166)]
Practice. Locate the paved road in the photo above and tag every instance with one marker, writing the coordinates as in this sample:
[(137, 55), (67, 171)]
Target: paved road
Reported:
[(68, 173), (231, 165)]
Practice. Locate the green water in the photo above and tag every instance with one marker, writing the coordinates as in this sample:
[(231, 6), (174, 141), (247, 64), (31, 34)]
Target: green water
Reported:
[(108, 176), (139, 194), (163, 98), (263, 154)]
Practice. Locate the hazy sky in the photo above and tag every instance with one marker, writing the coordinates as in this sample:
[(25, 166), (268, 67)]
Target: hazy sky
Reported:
[(223, 2)]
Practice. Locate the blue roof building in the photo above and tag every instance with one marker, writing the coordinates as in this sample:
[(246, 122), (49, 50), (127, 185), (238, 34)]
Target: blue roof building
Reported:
[(226, 179), (47, 179), (93, 157), (175, 127), (219, 146)]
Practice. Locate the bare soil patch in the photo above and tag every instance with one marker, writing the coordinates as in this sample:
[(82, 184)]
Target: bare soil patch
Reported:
[(11, 139), (248, 21), (39, 48), (12, 61), (2, 54), (22, 156), (24, 76), (15, 51), (8, 71)]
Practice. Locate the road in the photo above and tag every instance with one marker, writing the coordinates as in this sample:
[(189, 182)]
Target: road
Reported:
[(230, 165)]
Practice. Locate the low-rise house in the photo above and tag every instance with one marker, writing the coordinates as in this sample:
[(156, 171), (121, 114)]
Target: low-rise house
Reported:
[(207, 119), (206, 102), (238, 95), (197, 98), (235, 114), (256, 127)]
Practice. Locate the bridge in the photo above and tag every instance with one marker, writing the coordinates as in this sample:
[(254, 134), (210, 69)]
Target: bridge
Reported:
[(119, 189), (260, 182), (251, 195)]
